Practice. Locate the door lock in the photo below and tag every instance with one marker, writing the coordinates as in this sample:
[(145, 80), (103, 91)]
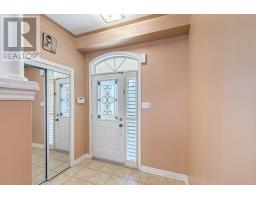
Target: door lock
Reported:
[(120, 125)]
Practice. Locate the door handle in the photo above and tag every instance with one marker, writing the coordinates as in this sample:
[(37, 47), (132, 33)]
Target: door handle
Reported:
[(57, 120), (120, 125)]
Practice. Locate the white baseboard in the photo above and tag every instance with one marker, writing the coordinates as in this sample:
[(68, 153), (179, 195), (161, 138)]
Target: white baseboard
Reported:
[(81, 158), (41, 146), (168, 174)]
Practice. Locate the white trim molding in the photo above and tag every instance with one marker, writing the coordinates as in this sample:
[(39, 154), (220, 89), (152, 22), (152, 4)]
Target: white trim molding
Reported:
[(47, 64), (141, 59), (82, 158), (13, 89), (168, 174)]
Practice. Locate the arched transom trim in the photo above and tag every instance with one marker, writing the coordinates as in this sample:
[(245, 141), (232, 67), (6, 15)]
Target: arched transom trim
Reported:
[(116, 62)]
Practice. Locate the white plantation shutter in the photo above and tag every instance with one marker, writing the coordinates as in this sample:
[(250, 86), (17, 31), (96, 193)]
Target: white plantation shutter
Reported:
[(131, 117), (51, 111)]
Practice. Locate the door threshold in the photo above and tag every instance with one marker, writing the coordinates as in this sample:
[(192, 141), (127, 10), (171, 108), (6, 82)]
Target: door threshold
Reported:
[(115, 163), (108, 161)]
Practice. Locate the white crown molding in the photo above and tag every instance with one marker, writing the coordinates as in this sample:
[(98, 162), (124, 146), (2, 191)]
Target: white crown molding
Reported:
[(168, 174), (14, 89)]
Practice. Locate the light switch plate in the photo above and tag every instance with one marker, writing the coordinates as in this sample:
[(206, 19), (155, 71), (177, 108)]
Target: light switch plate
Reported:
[(146, 105)]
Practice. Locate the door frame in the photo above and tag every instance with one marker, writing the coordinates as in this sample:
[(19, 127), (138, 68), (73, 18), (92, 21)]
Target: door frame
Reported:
[(141, 59), (57, 105), (49, 65)]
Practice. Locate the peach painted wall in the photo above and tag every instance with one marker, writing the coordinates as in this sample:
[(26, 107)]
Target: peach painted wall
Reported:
[(165, 86), (15, 142), (38, 116), (222, 127), (67, 54)]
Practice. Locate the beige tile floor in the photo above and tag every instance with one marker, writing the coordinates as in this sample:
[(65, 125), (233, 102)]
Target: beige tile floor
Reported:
[(96, 172), (58, 161)]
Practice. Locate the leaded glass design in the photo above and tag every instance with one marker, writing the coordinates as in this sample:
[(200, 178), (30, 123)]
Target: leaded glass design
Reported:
[(107, 98), (64, 100)]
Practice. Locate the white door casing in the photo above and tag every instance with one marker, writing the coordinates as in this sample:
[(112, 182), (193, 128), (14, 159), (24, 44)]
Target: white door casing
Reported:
[(62, 117), (140, 58), (108, 117)]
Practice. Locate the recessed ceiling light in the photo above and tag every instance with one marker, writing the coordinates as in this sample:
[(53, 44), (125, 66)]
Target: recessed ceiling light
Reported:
[(109, 18)]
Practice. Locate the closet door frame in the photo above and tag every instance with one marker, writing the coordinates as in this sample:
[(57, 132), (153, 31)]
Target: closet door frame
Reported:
[(49, 65)]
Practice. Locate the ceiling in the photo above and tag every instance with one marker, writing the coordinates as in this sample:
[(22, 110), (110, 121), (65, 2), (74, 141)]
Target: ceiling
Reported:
[(78, 24)]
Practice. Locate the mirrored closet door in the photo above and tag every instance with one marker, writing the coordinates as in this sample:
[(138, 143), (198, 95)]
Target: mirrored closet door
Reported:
[(50, 123), (38, 125), (58, 121)]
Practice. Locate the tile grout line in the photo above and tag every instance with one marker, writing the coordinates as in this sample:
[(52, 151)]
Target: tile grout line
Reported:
[(126, 178)]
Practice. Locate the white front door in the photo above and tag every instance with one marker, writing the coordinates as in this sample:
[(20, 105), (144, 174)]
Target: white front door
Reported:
[(108, 141), (62, 114)]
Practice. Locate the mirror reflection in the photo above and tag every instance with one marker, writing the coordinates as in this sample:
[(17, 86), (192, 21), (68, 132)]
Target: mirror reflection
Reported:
[(50, 123), (58, 125), (38, 125)]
